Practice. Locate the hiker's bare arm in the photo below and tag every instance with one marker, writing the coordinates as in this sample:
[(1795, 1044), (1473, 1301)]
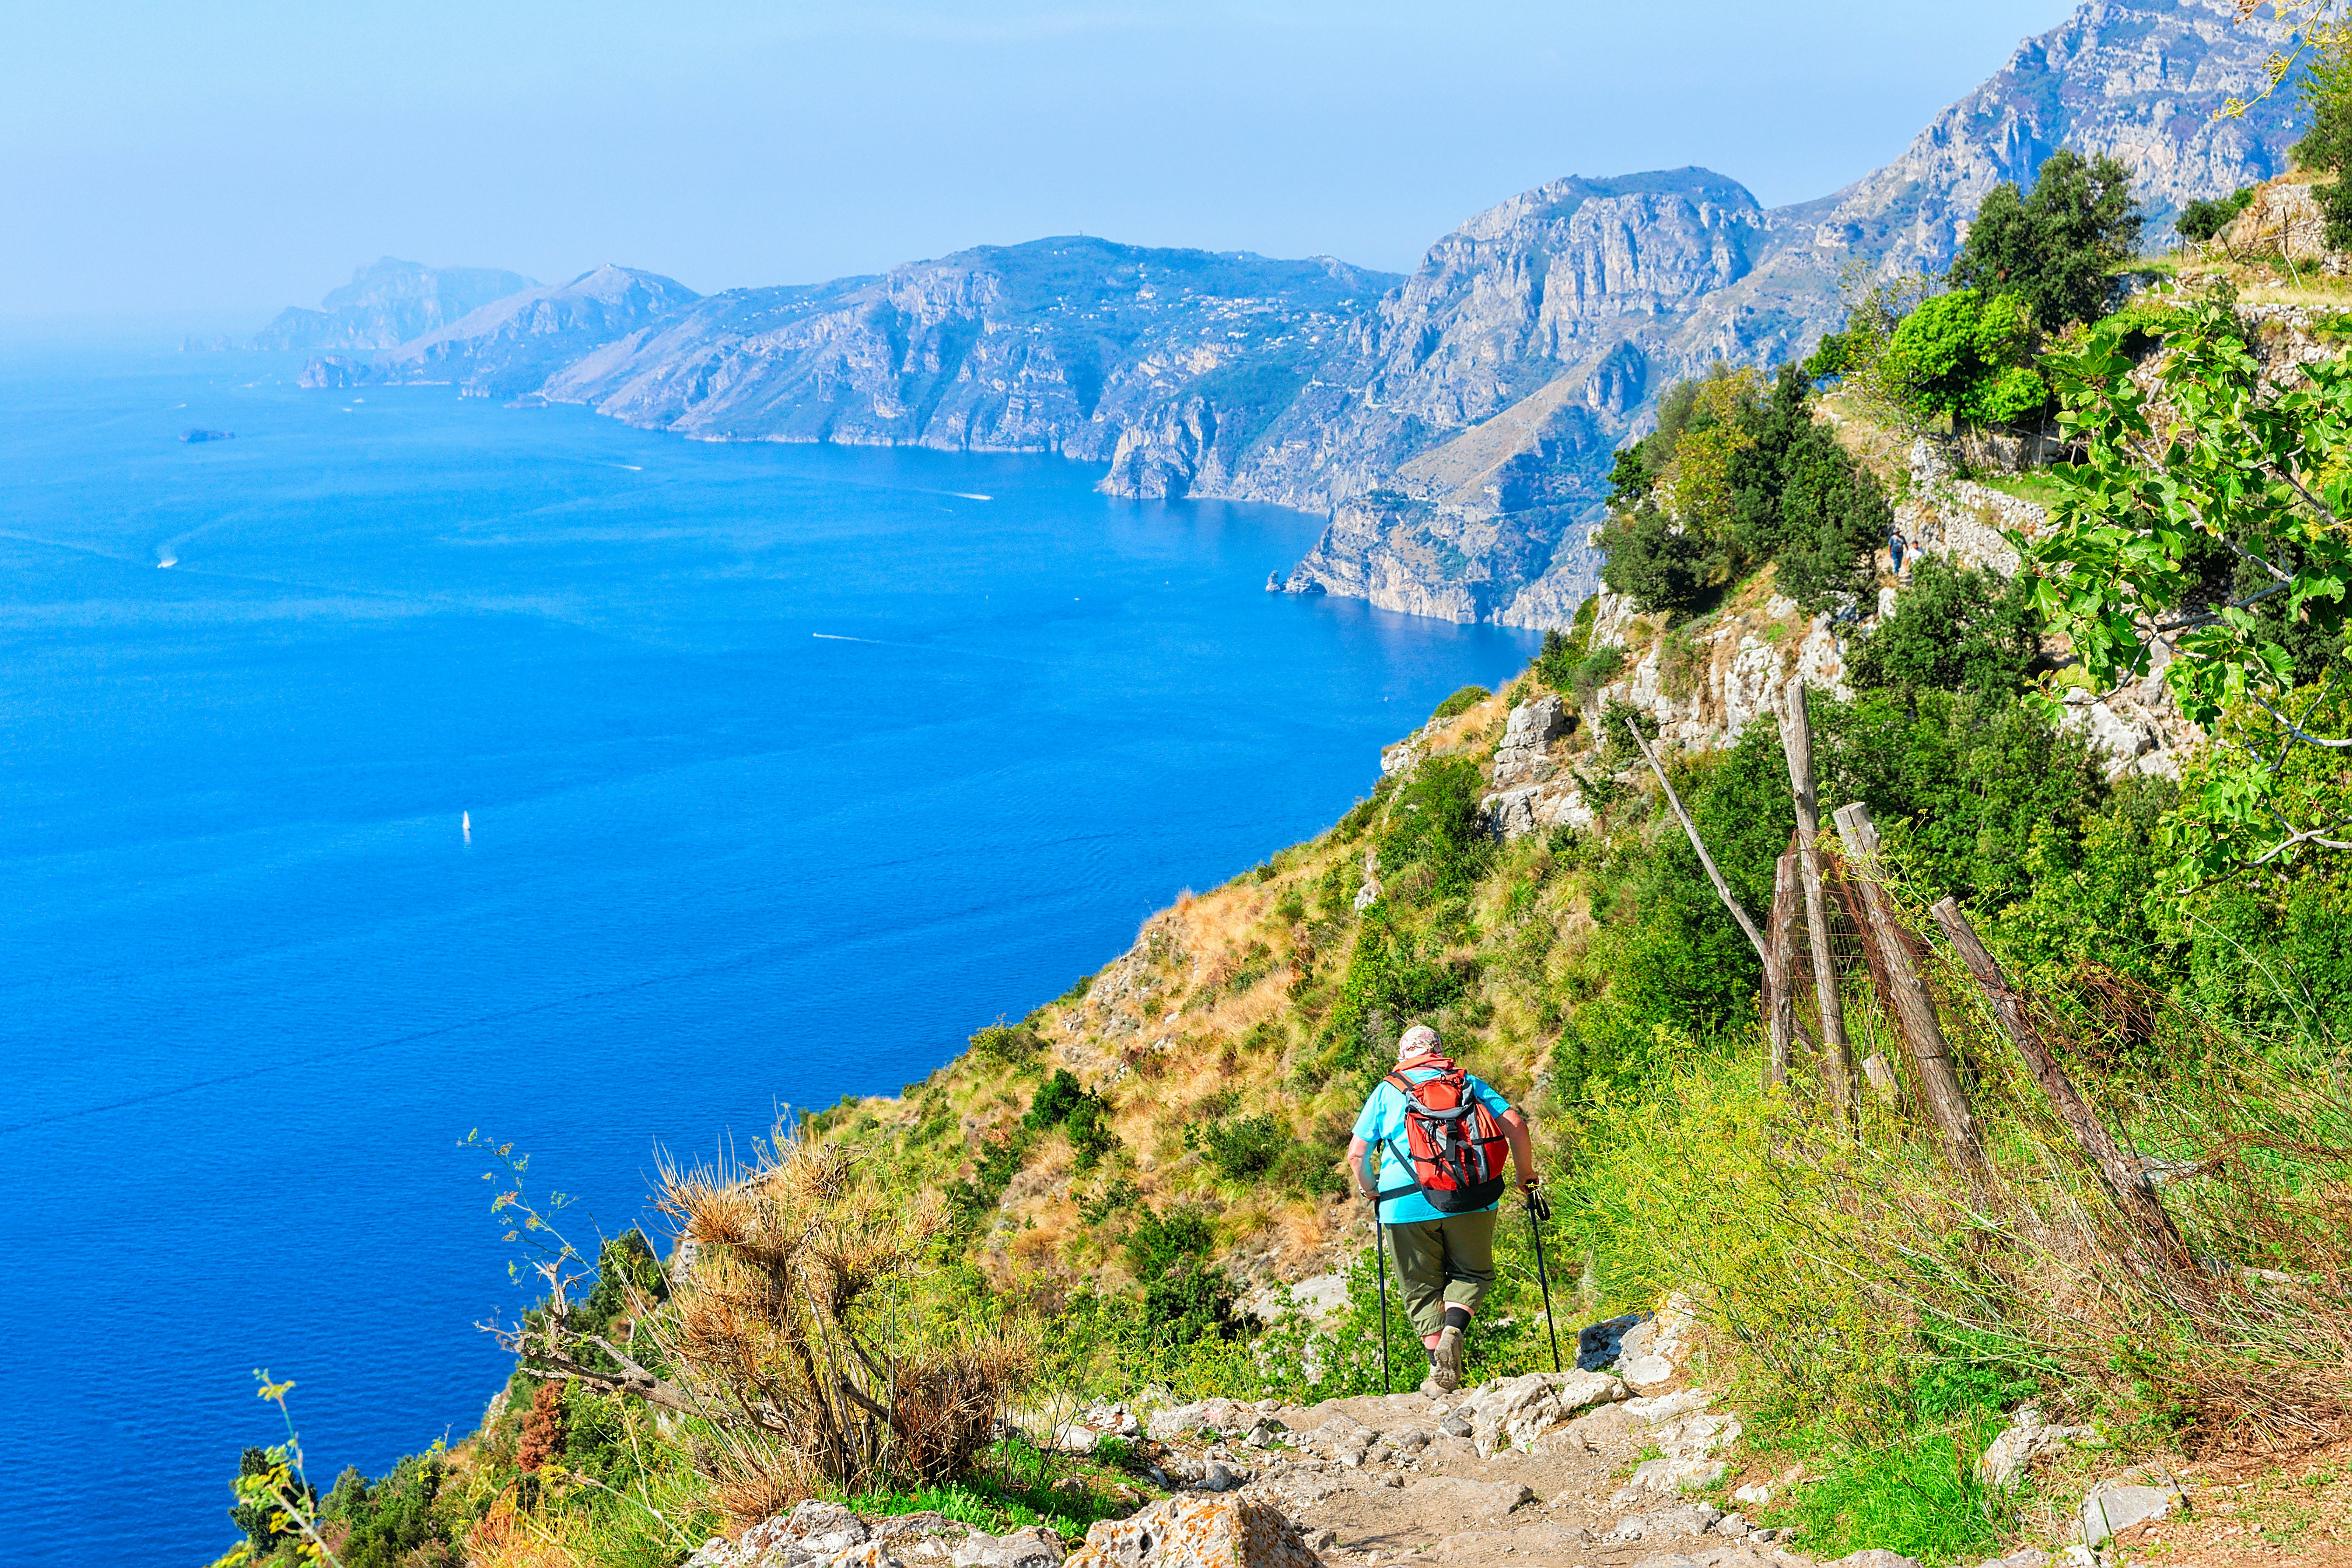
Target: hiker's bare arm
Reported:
[(1360, 1164), (1523, 1145)]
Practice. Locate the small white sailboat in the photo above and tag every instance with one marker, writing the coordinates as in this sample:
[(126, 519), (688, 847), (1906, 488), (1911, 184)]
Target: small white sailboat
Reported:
[(466, 825)]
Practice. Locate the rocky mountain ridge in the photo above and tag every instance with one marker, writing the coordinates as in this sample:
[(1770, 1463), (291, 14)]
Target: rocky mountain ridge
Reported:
[(511, 346), (387, 304), (1073, 345), (1456, 424)]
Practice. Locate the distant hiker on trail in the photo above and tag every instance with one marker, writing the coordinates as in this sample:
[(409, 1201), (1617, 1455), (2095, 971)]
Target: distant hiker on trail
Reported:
[(1441, 1134)]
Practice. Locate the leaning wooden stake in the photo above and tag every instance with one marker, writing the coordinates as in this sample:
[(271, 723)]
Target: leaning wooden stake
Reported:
[(1778, 933), (1947, 1097), (1837, 1056), (1776, 976), (2126, 1179)]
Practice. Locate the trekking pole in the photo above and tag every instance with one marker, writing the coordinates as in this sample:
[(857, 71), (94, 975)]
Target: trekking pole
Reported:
[(1381, 1253), (1537, 1210)]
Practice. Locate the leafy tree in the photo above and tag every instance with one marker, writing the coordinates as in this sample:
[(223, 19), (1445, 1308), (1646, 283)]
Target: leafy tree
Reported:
[(2325, 146), (2214, 458), (1971, 775), (1855, 355), (1556, 663), (1753, 478), (1954, 630), (1656, 562), (1966, 357), (2056, 249), (1832, 516)]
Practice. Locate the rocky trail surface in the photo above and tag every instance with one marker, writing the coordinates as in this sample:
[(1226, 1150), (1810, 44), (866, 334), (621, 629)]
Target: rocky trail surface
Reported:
[(1586, 1468)]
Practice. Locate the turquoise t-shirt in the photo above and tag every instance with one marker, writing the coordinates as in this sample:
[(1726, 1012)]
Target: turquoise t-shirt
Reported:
[(1382, 1126)]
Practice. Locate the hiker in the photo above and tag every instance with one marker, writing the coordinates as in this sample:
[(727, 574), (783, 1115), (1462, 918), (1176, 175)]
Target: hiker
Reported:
[(1440, 1136)]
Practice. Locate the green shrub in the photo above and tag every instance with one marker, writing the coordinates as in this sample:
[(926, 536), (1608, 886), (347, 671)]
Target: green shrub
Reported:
[(1241, 1150), (393, 1524), (1438, 824), (1184, 1299), (1955, 628), (1556, 664), (1009, 1045), (1967, 356), (1080, 1113), (1461, 703)]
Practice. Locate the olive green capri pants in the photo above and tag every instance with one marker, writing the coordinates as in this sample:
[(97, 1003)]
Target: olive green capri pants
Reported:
[(1441, 1263)]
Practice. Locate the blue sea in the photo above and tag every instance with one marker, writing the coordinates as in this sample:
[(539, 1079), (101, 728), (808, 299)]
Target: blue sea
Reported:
[(785, 768)]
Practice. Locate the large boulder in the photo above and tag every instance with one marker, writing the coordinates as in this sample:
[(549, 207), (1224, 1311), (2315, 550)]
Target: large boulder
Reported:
[(1651, 1353), (2133, 1498), (2006, 1458), (1599, 1344), (1513, 1412), (821, 1534), (1224, 1416), (1197, 1533), (1687, 1519)]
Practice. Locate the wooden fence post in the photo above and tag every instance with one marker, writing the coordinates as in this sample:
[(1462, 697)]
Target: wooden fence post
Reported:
[(1775, 979), (2127, 1180), (1947, 1097), (1837, 1056)]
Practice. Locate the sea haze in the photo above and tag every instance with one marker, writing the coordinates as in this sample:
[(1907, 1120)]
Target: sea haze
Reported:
[(787, 767)]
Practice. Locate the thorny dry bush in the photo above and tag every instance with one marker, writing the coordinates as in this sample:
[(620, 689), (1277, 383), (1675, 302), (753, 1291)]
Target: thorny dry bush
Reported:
[(805, 1344)]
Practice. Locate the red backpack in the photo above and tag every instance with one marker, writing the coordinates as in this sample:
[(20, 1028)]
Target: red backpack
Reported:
[(1455, 1146)]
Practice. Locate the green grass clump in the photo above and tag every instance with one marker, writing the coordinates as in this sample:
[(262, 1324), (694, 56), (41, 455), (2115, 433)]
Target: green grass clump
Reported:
[(1917, 1495), (1461, 703)]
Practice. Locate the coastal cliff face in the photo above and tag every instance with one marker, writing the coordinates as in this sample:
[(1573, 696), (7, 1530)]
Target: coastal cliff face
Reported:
[(1456, 424), (1590, 320), (1532, 342), (386, 305), (1162, 363), (511, 346)]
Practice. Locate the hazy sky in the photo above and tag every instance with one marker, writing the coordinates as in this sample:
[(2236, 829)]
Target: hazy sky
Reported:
[(165, 157)]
